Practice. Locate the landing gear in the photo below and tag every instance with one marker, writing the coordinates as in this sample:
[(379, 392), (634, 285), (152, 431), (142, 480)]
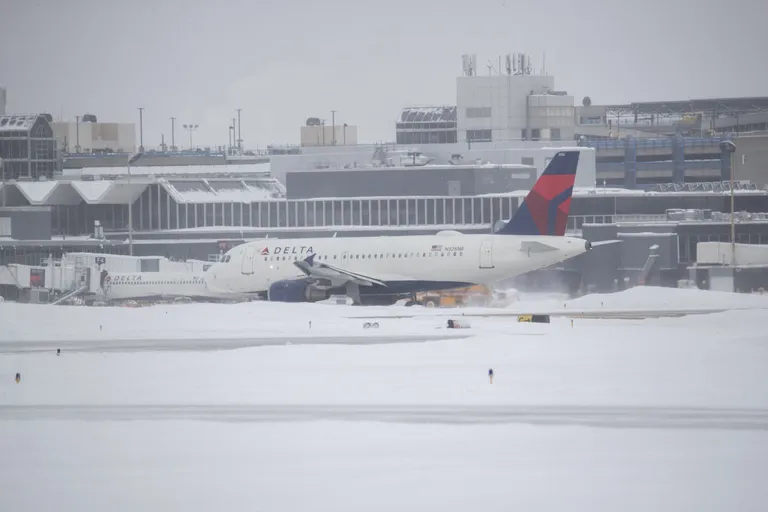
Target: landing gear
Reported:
[(353, 292), (413, 301)]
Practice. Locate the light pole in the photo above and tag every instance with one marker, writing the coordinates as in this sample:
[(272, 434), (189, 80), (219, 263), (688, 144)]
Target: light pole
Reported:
[(239, 134), (141, 129), (173, 134), (333, 123), (729, 147), (77, 135), (131, 159), (2, 184), (190, 128)]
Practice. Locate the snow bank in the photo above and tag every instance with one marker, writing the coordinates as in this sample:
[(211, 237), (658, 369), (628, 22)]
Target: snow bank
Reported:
[(653, 297)]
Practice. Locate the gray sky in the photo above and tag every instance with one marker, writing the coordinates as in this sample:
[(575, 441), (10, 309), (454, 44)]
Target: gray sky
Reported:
[(284, 61)]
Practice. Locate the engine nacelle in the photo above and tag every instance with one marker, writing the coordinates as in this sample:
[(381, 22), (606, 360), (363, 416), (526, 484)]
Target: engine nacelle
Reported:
[(295, 290)]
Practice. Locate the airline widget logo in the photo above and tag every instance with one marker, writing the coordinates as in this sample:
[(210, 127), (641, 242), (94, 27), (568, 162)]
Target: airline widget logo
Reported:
[(297, 249)]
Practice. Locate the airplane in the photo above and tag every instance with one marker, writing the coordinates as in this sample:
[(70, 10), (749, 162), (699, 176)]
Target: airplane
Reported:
[(161, 285), (381, 270)]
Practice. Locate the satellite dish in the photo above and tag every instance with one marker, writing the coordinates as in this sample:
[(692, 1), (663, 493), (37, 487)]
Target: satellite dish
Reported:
[(587, 101)]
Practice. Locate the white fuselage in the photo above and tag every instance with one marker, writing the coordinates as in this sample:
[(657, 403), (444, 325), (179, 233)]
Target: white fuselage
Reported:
[(147, 285), (442, 258)]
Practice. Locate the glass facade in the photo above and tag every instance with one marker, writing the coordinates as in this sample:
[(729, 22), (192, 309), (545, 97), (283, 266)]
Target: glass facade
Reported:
[(427, 125)]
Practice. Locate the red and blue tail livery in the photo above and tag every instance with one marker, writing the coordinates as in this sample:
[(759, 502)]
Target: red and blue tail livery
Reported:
[(545, 209)]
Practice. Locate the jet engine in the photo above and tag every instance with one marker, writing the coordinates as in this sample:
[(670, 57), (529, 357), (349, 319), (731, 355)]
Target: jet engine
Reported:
[(295, 290)]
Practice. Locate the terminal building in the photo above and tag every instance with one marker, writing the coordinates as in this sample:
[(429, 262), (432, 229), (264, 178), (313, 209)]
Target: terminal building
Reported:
[(652, 176), (638, 144), (27, 148)]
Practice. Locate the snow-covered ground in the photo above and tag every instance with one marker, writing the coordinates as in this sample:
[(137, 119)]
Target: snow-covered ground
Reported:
[(632, 415)]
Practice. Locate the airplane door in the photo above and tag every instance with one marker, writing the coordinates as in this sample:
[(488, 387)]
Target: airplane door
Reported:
[(246, 267), (486, 254)]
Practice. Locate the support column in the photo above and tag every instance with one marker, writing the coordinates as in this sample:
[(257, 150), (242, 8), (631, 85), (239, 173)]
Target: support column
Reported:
[(725, 162), (630, 162), (678, 157)]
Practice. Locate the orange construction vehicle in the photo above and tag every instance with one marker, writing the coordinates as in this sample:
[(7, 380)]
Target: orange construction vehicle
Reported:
[(477, 295)]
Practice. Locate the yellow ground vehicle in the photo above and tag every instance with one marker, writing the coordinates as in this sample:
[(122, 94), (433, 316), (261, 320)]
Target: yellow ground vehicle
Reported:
[(536, 319), (477, 295)]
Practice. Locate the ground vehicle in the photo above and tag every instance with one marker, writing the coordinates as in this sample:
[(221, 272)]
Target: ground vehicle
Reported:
[(477, 295)]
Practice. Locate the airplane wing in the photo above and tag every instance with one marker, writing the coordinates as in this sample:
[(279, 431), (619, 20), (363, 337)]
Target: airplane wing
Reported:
[(337, 276)]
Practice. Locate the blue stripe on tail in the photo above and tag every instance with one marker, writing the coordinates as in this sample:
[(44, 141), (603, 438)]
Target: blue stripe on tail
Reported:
[(539, 211)]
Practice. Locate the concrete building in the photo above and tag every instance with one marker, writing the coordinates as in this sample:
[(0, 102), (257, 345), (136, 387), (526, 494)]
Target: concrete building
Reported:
[(511, 104), (687, 118), (634, 162), (27, 148), (430, 180), (323, 134), (510, 153), (750, 161), (94, 137)]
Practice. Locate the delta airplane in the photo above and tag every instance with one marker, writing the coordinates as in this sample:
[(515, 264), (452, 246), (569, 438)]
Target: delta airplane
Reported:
[(160, 285), (384, 269)]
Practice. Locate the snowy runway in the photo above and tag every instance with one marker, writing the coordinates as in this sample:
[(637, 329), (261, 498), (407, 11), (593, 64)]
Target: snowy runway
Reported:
[(204, 344), (275, 407), (591, 416)]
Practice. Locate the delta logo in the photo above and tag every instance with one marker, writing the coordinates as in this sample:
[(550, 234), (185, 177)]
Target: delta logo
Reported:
[(297, 249)]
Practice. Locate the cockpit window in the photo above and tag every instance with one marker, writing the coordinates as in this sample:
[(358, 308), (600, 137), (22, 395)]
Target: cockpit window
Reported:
[(227, 258)]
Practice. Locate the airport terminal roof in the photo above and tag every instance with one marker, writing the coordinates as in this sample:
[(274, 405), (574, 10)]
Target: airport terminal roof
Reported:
[(198, 171), (189, 190), (717, 105), (17, 123), (428, 114)]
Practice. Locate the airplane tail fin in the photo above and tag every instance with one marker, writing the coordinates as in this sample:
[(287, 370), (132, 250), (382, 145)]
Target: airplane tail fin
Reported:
[(545, 209)]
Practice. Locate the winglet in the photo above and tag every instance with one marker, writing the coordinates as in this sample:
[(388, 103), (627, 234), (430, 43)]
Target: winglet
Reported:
[(310, 259), (545, 209)]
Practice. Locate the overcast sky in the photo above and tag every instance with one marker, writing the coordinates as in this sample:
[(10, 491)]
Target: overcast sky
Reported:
[(284, 61)]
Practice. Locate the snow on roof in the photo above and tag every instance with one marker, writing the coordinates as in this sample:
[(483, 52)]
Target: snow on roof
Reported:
[(413, 168), (20, 123), (645, 234), (212, 170), (428, 114), (221, 192)]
